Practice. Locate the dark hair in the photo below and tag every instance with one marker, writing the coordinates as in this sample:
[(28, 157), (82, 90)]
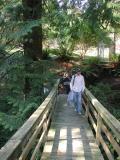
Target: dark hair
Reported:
[(78, 70)]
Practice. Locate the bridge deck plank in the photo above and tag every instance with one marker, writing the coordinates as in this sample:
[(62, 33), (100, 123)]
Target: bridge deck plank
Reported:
[(70, 136)]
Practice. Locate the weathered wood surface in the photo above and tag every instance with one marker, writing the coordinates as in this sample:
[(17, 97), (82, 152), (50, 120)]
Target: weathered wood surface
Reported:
[(109, 119), (26, 138), (106, 127), (70, 136)]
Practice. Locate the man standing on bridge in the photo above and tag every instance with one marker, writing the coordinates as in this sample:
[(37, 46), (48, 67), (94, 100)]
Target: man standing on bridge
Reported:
[(77, 85)]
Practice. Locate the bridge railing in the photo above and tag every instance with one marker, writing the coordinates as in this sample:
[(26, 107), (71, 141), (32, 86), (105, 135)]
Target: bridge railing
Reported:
[(29, 138), (27, 141), (106, 127)]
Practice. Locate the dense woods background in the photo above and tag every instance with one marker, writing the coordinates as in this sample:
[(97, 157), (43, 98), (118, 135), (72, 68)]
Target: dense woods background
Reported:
[(26, 67)]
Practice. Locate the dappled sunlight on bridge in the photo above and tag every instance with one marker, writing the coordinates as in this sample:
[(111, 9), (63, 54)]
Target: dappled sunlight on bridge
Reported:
[(65, 134), (70, 142)]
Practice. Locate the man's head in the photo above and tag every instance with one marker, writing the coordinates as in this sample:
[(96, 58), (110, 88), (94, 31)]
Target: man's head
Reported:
[(78, 71)]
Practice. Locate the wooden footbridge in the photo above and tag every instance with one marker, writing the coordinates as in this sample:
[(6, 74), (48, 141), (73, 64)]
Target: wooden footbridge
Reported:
[(56, 132)]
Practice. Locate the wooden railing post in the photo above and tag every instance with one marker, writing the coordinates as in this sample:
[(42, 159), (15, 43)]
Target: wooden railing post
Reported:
[(32, 134), (98, 129), (103, 121), (87, 109)]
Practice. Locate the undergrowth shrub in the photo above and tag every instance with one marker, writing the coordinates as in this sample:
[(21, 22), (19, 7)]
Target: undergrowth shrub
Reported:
[(108, 97), (15, 106)]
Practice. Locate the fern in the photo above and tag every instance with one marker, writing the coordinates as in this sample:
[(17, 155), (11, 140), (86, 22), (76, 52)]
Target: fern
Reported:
[(10, 122), (23, 28), (18, 108), (108, 97)]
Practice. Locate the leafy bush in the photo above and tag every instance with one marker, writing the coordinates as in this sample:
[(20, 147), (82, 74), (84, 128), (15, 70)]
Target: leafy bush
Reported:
[(115, 57), (15, 106), (91, 60), (50, 51), (107, 97), (101, 91), (90, 67)]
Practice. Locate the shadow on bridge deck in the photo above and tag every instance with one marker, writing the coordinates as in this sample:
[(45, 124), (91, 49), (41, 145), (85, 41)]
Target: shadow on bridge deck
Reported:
[(70, 137)]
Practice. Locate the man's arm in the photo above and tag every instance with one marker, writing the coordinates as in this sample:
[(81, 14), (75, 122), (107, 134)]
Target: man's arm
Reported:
[(83, 84)]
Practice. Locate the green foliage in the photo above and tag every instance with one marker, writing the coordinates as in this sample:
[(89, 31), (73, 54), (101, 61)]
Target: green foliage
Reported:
[(115, 57), (115, 60), (115, 18), (91, 60), (101, 16), (49, 51), (101, 90), (107, 97), (23, 29), (15, 107), (70, 26), (61, 25), (4, 135), (98, 13), (89, 66), (65, 36), (14, 28), (8, 21), (10, 122)]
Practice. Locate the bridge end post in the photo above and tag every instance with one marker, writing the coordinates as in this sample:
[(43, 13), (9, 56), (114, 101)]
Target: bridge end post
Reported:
[(98, 129)]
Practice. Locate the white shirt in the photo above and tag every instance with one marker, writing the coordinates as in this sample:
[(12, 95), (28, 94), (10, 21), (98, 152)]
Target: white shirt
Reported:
[(79, 83)]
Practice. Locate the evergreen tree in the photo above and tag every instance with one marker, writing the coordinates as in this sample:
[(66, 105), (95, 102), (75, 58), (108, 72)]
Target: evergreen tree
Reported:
[(33, 41), (21, 76)]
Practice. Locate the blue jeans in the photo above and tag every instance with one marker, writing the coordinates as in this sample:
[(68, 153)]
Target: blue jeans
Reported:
[(77, 98)]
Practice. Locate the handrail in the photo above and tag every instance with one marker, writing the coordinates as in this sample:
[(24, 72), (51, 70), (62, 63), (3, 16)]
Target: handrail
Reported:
[(33, 130), (29, 138), (105, 125)]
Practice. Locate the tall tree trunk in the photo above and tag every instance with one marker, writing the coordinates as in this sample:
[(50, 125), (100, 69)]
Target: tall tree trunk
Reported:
[(33, 41), (33, 45)]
